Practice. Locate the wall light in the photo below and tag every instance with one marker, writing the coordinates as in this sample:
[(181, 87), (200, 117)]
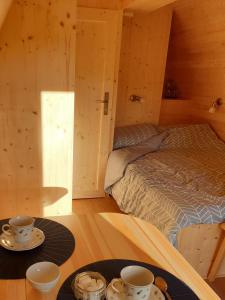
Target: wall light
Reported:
[(136, 98), (215, 106)]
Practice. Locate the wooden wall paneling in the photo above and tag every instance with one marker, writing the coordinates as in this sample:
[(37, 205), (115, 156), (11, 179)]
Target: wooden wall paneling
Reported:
[(145, 5), (174, 111), (196, 58), (37, 58), (200, 113), (4, 8), (106, 4), (142, 66), (190, 112)]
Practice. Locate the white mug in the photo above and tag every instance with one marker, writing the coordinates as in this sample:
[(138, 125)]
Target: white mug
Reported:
[(20, 228), (135, 284)]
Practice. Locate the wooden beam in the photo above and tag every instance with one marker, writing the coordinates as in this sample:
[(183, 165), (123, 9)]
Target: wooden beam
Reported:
[(4, 8), (146, 5)]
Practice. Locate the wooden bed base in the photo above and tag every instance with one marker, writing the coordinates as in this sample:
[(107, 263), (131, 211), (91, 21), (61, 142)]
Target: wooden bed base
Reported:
[(199, 245)]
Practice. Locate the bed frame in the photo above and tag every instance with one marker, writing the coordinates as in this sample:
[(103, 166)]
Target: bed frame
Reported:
[(199, 245)]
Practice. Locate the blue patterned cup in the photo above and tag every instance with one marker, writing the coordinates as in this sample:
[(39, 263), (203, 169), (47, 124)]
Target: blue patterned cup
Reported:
[(135, 284), (20, 228)]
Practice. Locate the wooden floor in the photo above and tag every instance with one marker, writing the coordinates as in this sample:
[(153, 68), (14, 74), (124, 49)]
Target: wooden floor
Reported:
[(109, 205), (95, 206), (219, 287)]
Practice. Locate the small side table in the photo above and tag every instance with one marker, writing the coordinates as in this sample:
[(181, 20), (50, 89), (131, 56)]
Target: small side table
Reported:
[(219, 256)]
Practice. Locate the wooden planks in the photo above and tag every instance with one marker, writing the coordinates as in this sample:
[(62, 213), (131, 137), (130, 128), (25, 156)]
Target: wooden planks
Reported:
[(142, 66), (97, 205), (112, 4), (174, 111), (192, 242), (219, 257), (141, 5), (145, 5), (37, 58), (196, 59), (37, 202), (4, 8), (200, 113)]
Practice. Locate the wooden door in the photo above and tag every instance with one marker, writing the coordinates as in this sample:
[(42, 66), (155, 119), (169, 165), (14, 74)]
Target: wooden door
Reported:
[(97, 56)]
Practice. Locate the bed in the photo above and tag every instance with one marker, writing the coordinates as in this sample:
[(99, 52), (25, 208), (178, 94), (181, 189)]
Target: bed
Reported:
[(174, 179)]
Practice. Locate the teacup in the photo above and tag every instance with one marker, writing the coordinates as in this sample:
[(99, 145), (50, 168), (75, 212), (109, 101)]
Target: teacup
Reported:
[(135, 284), (20, 228), (43, 276)]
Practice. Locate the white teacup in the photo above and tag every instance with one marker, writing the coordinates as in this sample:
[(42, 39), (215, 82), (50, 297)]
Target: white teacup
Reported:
[(20, 228), (135, 284)]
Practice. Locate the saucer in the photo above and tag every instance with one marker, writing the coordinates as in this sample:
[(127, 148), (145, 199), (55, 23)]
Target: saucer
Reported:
[(8, 242), (156, 294)]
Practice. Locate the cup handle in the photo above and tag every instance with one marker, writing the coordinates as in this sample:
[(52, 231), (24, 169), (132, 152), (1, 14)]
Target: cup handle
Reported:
[(6, 229), (114, 281)]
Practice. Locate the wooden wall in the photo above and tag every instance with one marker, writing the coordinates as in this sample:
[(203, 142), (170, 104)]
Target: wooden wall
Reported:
[(196, 59), (145, 5), (4, 8), (175, 112), (37, 59), (142, 66), (108, 4)]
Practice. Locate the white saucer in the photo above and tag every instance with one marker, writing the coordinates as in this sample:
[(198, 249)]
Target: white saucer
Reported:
[(8, 242), (156, 294)]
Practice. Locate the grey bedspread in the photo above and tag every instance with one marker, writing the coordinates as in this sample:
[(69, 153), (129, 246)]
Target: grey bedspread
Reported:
[(181, 184)]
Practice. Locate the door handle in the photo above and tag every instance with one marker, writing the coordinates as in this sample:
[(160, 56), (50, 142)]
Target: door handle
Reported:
[(105, 102)]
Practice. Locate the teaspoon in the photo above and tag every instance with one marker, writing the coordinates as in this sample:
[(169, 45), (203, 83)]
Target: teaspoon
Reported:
[(162, 285)]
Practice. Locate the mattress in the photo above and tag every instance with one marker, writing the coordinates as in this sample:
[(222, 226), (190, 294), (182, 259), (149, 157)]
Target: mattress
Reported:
[(181, 184)]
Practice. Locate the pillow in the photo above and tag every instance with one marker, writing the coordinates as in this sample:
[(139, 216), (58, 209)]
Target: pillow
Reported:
[(190, 136), (132, 135), (119, 159)]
